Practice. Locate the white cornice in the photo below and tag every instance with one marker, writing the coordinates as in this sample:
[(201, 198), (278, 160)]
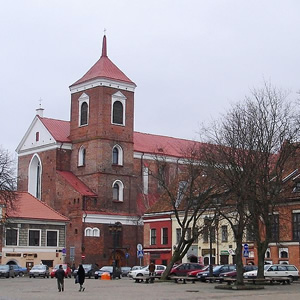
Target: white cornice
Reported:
[(170, 159), (157, 250), (111, 219), (53, 146), (36, 222), (279, 244), (22, 249), (157, 220), (102, 82)]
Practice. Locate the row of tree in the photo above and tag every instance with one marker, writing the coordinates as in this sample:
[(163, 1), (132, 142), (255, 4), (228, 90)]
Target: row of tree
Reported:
[(236, 172)]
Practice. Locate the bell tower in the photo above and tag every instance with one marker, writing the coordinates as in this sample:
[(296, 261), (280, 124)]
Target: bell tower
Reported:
[(101, 127)]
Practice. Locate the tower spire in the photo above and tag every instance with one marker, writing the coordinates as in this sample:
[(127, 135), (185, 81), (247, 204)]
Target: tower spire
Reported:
[(104, 50)]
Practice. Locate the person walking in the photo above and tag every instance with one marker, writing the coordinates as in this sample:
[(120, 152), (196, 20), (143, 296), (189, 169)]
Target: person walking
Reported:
[(81, 278), (152, 271), (60, 275)]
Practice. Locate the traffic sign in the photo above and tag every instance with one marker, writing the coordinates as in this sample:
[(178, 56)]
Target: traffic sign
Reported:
[(139, 247), (83, 256), (127, 255), (246, 253), (140, 253), (246, 246)]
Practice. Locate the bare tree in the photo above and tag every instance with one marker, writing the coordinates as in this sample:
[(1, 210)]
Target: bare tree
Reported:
[(189, 191), (7, 180), (255, 139)]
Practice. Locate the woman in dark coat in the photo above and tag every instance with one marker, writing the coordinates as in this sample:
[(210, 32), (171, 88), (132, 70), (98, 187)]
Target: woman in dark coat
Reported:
[(81, 277)]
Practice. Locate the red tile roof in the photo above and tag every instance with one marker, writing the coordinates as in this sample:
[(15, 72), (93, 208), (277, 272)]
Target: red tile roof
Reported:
[(28, 207), (76, 183), (104, 68), (163, 145), (143, 142), (58, 128)]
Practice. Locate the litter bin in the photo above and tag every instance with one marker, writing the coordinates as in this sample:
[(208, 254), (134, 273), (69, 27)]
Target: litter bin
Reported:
[(105, 276)]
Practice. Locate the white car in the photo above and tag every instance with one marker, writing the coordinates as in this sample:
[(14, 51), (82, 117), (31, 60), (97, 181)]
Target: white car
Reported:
[(145, 271), (280, 270)]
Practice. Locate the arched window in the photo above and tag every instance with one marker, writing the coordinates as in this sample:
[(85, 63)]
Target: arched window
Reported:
[(34, 177), (118, 112), (81, 156), (118, 188), (88, 231), (117, 155), (118, 106), (96, 232), (83, 102), (83, 114)]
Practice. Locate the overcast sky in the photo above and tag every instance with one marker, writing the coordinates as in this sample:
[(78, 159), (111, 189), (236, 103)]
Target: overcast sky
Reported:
[(190, 59)]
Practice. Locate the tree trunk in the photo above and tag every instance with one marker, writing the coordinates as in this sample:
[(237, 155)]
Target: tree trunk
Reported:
[(239, 262)]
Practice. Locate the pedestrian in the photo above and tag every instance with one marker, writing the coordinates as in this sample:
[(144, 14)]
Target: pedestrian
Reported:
[(152, 271), (81, 278), (60, 275)]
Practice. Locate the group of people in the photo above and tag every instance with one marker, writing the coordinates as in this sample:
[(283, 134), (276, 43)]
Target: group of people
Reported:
[(60, 276)]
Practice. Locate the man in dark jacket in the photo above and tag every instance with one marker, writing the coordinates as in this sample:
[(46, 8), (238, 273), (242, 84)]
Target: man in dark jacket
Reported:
[(60, 275)]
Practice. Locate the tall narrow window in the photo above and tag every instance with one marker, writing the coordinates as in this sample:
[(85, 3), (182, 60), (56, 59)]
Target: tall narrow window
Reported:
[(224, 233), (34, 178), (118, 112), (296, 226), (153, 236), (178, 235), (84, 114), (117, 155), (145, 180), (83, 108), (164, 236), (275, 228), (118, 188), (81, 156)]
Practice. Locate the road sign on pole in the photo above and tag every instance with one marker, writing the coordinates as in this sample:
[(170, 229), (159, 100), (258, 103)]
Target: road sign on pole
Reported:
[(139, 247), (140, 253)]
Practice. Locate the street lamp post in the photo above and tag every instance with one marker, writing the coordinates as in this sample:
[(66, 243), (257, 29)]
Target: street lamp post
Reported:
[(115, 229), (208, 223)]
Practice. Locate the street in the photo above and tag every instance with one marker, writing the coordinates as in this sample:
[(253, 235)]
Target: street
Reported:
[(39, 288)]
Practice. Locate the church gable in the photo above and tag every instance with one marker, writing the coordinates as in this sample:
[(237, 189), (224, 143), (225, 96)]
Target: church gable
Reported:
[(37, 136)]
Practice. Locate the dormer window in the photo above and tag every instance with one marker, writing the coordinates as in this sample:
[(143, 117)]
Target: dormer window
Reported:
[(118, 109), (83, 108)]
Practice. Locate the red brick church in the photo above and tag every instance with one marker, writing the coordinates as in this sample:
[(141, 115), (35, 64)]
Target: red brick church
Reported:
[(94, 168)]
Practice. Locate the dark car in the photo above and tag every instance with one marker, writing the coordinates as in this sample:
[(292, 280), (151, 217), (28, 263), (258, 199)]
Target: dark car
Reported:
[(125, 271), (89, 270), (234, 272), (108, 269), (184, 268), (217, 270), (7, 271), (18, 270)]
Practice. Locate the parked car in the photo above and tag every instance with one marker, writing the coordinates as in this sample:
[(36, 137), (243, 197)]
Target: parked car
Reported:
[(145, 271), (108, 269), (194, 273), (89, 270), (125, 271), (232, 274), (18, 270), (39, 271), (217, 270), (66, 268), (137, 267), (184, 268), (7, 271), (276, 271)]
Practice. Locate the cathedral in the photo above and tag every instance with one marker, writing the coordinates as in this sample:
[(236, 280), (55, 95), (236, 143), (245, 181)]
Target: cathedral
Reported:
[(94, 169)]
